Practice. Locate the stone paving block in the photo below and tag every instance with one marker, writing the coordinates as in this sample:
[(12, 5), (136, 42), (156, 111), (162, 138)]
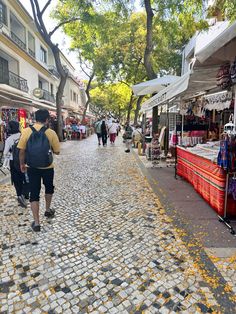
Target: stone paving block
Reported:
[(117, 252)]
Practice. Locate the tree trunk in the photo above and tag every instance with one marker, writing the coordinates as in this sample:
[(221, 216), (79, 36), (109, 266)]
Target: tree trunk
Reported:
[(149, 44), (148, 57), (63, 77), (138, 106), (154, 120), (130, 107), (87, 91), (63, 72), (119, 114), (59, 101)]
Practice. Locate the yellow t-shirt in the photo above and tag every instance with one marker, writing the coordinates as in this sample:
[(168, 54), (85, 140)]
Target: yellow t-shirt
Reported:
[(51, 135)]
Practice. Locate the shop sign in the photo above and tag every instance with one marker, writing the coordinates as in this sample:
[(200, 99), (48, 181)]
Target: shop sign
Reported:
[(38, 92)]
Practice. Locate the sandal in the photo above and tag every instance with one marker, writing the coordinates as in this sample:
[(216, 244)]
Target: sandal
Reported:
[(49, 213)]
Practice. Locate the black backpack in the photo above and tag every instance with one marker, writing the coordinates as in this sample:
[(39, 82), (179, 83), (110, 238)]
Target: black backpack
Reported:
[(38, 149), (15, 154)]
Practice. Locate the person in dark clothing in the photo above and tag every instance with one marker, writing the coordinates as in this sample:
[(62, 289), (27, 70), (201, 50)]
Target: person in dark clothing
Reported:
[(104, 133), (17, 177)]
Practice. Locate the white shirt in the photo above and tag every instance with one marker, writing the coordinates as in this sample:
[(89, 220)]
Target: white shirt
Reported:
[(137, 133), (82, 128), (112, 128), (8, 145)]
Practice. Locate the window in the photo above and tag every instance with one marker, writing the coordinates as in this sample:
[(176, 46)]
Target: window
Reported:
[(74, 97), (3, 13), (43, 55), (40, 84), (51, 89), (71, 98), (31, 44)]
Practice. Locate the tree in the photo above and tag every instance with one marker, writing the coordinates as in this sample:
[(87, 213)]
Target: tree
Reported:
[(47, 35), (110, 99), (110, 45)]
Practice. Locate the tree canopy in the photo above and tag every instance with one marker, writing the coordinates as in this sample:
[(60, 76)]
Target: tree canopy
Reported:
[(110, 39)]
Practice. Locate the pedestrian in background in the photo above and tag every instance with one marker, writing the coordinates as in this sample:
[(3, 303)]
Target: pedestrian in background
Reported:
[(128, 136), (36, 146), (98, 130), (17, 177), (112, 129), (104, 132), (118, 127)]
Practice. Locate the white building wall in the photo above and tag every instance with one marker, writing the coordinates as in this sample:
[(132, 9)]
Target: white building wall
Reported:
[(31, 73), (27, 71)]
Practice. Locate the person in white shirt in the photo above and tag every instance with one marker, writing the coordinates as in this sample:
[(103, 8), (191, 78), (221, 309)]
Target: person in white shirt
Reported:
[(137, 135), (82, 129), (112, 129), (17, 177)]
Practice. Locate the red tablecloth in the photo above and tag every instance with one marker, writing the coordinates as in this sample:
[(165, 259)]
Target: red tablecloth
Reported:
[(207, 178)]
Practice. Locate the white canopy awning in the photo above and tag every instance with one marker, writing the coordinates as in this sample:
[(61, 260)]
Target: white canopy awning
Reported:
[(152, 86), (188, 85), (219, 48)]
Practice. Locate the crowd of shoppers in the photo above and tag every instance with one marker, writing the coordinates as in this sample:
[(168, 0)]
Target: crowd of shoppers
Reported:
[(106, 128)]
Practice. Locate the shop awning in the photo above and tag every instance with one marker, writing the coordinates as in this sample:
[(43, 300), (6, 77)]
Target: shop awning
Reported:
[(220, 48), (191, 84), (152, 86), (10, 95)]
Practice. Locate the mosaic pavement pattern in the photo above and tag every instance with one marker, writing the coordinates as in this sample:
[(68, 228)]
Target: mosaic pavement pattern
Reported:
[(110, 248)]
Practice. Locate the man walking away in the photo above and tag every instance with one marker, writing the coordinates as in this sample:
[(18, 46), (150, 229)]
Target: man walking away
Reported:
[(128, 137), (36, 146), (98, 130), (104, 132)]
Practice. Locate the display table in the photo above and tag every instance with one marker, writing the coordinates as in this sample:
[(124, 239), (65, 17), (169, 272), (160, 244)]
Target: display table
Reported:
[(207, 178)]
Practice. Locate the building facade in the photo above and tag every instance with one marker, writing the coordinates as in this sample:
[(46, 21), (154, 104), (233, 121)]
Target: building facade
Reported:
[(28, 76)]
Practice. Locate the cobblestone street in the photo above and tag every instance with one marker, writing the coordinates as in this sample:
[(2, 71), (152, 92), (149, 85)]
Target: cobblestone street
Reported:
[(111, 248)]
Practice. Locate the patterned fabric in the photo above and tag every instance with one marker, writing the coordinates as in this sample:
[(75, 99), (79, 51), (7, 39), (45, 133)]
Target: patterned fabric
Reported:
[(208, 179), (223, 159), (227, 154), (232, 188)]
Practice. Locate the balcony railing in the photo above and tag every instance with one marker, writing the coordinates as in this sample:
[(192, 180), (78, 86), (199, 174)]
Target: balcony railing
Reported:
[(47, 96), (31, 52), (18, 41), (53, 70), (14, 80), (18, 82)]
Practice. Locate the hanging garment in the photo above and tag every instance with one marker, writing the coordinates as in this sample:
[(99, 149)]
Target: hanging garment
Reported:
[(232, 153), (222, 159), (232, 187)]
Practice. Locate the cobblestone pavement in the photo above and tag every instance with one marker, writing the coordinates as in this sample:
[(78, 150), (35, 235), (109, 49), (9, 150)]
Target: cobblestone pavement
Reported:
[(110, 249)]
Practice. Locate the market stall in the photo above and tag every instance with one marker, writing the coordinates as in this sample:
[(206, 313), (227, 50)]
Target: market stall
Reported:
[(198, 166), (204, 163)]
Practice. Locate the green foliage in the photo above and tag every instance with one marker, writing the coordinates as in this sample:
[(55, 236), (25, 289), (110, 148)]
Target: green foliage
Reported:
[(110, 99), (227, 8), (110, 37)]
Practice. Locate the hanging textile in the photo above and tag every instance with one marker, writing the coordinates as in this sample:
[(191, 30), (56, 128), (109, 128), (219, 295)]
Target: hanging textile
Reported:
[(232, 187), (227, 154)]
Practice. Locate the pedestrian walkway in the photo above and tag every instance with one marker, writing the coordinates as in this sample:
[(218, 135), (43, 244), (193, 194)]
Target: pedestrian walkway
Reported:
[(111, 247)]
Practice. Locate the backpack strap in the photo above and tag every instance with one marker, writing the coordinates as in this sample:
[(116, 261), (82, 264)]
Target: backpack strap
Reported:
[(43, 129)]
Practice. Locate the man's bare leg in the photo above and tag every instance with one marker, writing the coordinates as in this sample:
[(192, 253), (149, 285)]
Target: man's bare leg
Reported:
[(48, 200), (35, 212)]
